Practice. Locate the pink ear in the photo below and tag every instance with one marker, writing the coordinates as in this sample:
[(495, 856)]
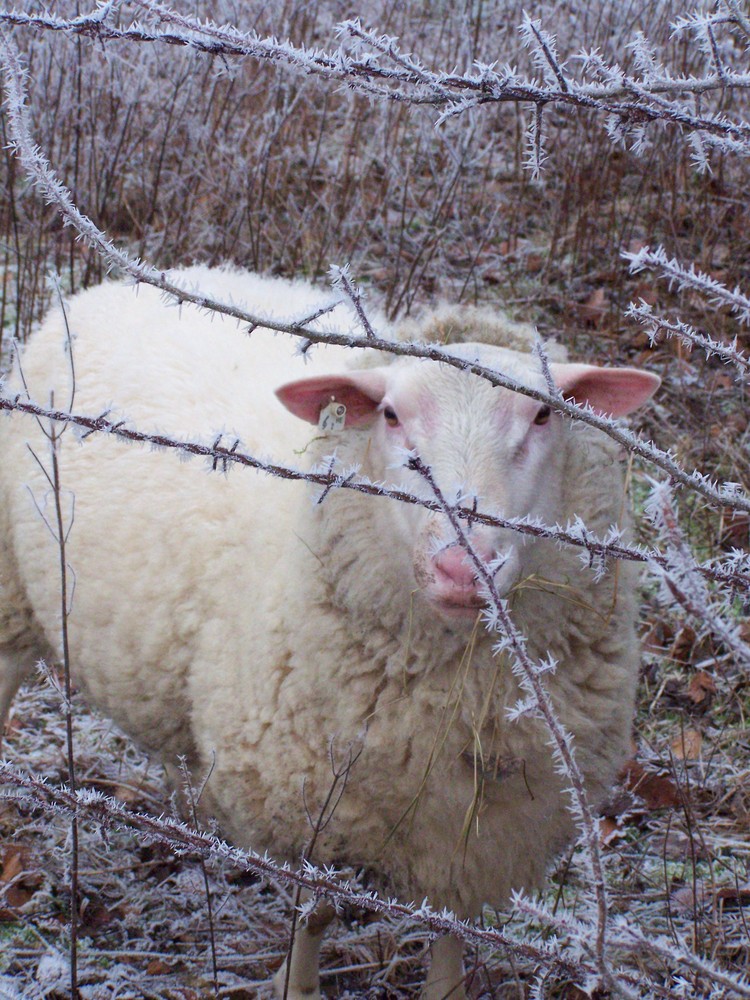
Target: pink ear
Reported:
[(360, 392), (611, 392)]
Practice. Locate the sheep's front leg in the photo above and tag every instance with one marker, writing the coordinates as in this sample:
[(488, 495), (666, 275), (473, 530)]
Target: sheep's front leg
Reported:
[(304, 959), (445, 978)]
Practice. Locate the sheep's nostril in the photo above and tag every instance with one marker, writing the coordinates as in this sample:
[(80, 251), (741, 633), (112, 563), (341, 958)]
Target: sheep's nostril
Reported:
[(454, 564)]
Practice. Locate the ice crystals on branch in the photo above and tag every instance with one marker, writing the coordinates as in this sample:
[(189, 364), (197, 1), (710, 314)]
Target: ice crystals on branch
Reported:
[(683, 583), (543, 47), (341, 279), (690, 277), (644, 58), (655, 325)]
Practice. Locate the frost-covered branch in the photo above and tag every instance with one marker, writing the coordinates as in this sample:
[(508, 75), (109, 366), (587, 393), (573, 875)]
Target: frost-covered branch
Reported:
[(326, 882), (40, 171), (341, 278), (375, 64), (630, 939), (733, 573), (529, 675), (683, 581), (655, 324), (682, 277)]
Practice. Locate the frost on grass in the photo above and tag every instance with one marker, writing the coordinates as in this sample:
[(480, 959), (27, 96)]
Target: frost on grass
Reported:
[(143, 924), (672, 872)]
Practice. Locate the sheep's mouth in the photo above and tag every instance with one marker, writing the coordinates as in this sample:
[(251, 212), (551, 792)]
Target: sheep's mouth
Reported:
[(465, 606)]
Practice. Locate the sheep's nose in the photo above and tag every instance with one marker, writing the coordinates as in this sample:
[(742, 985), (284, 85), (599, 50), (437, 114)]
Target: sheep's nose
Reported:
[(455, 565)]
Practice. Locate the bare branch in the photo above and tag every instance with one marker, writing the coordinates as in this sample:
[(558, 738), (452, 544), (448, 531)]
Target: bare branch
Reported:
[(224, 456)]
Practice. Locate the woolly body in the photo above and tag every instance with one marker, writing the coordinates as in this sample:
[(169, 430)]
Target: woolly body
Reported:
[(231, 619)]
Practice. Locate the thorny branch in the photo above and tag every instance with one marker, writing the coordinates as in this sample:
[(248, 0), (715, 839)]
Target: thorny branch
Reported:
[(683, 582), (729, 353), (735, 574), (324, 883), (375, 65), (108, 813), (60, 533), (690, 277), (530, 677), (340, 778), (728, 495)]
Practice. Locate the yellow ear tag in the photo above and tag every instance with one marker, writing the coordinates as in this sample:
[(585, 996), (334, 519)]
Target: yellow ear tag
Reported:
[(332, 417)]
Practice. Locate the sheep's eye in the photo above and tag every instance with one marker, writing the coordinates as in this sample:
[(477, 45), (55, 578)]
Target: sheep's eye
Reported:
[(390, 416), (543, 415)]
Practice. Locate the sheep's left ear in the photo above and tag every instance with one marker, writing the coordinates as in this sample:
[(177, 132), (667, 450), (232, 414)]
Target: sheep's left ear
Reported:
[(612, 392)]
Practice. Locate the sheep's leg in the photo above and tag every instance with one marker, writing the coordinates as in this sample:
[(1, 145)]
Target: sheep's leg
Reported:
[(304, 959), (445, 978), (13, 668)]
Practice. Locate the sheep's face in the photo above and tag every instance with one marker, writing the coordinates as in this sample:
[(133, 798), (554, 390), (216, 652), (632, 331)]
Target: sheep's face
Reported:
[(471, 440)]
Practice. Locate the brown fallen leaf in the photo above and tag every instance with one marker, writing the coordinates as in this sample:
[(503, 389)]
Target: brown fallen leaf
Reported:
[(17, 883), (157, 967), (573, 992), (657, 792), (607, 829), (702, 687), (688, 899), (734, 896), (594, 308), (534, 262), (687, 745), (683, 644), (658, 637), (735, 529), (15, 860)]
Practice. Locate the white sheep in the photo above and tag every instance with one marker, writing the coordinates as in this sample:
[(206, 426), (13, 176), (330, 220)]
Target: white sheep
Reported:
[(232, 620)]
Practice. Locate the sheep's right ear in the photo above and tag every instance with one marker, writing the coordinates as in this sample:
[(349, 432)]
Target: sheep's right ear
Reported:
[(612, 392), (360, 392)]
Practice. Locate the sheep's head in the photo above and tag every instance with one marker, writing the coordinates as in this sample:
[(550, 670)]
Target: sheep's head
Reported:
[(471, 440)]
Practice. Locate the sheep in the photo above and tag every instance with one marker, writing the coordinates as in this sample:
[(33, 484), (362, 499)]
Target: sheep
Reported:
[(232, 621)]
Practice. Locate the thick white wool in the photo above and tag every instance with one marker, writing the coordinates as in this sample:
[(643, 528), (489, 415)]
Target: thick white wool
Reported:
[(232, 620)]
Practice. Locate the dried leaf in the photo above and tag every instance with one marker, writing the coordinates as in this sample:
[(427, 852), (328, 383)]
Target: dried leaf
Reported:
[(126, 794), (702, 687), (17, 884), (687, 746), (658, 637), (608, 830), (683, 644), (735, 528), (687, 899), (534, 262), (734, 896), (657, 792), (158, 967), (15, 860)]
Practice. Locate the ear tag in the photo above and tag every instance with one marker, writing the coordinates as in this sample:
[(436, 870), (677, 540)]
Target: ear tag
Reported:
[(332, 417)]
